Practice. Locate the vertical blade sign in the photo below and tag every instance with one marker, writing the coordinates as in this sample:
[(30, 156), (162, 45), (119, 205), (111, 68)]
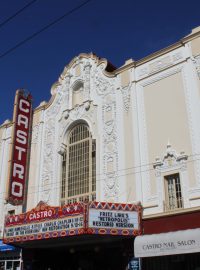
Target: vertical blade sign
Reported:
[(20, 149)]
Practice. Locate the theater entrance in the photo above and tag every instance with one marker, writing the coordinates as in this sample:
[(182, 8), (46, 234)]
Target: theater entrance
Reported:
[(107, 253)]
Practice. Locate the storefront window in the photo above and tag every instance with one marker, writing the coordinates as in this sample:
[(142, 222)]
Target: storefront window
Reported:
[(10, 264), (2, 265)]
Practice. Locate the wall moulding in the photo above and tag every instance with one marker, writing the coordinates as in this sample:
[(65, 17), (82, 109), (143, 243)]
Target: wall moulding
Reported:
[(126, 95), (167, 61), (162, 75), (196, 61)]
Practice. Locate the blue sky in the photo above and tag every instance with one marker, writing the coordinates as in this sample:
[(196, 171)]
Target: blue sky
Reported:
[(113, 29)]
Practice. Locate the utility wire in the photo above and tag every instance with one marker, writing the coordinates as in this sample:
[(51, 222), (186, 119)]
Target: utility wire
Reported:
[(56, 184), (142, 165), (17, 13), (127, 171), (44, 29)]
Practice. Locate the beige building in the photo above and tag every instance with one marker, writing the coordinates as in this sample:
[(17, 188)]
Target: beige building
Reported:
[(111, 134)]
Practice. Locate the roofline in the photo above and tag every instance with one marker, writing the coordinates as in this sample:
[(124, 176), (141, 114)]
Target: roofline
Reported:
[(110, 69), (161, 52)]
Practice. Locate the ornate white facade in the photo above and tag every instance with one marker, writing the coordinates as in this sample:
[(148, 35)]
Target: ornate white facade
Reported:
[(144, 117)]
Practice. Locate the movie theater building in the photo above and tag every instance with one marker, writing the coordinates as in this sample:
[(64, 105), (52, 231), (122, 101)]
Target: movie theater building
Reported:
[(110, 145)]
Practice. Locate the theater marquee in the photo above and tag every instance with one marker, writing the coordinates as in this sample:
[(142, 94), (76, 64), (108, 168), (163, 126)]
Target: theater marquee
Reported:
[(45, 221)]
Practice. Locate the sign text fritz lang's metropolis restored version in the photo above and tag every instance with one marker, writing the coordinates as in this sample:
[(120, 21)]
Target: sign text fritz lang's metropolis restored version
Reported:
[(74, 219)]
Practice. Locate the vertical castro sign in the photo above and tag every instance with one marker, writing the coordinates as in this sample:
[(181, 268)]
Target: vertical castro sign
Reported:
[(20, 148)]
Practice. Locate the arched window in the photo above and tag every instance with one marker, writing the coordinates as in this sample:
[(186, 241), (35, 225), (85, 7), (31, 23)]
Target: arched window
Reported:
[(79, 166)]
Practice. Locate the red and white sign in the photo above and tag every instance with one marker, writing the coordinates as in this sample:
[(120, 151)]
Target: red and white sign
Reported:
[(44, 221), (114, 218), (20, 151)]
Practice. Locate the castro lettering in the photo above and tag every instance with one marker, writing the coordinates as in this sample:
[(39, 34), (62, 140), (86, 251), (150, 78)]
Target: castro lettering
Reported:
[(20, 148), (40, 215)]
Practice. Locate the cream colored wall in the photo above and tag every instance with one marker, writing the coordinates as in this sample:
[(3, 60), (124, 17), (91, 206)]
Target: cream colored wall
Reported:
[(1, 133), (77, 98), (129, 156), (198, 85), (128, 143), (7, 153), (36, 117), (125, 78), (166, 118), (34, 164), (195, 44), (78, 70)]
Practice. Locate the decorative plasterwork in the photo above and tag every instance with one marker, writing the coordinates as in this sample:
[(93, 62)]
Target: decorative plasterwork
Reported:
[(161, 64), (126, 94), (54, 108), (162, 75), (62, 90), (35, 132), (143, 71), (87, 69), (77, 61), (170, 160), (79, 111), (196, 61), (177, 56), (48, 162), (105, 88), (110, 156), (87, 111), (92, 76), (62, 93), (103, 85)]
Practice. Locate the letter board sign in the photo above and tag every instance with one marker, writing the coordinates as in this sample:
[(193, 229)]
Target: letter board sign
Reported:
[(45, 222), (115, 219)]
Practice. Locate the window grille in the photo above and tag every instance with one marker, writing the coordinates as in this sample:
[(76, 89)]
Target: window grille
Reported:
[(173, 192), (79, 167)]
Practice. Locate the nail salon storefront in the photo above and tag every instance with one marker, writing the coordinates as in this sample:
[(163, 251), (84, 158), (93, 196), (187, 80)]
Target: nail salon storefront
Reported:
[(77, 236), (170, 242)]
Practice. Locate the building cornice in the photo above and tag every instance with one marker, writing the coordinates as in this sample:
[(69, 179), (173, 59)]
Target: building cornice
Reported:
[(172, 213), (159, 53), (6, 124)]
